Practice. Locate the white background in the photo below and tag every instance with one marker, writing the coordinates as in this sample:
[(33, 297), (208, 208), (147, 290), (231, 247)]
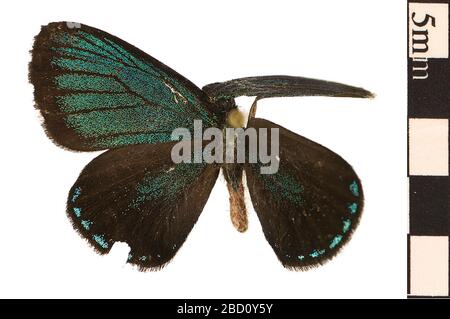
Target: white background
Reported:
[(362, 43)]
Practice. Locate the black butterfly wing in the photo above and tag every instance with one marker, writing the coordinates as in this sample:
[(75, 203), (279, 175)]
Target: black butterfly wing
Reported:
[(136, 194), (310, 207), (96, 91)]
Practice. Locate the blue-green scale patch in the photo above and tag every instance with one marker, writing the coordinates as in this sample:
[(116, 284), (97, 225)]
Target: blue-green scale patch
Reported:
[(154, 90), (346, 226), (86, 224), (336, 240), (283, 186), (129, 120), (92, 101), (113, 53), (132, 60), (166, 184), (143, 258), (84, 82), (76, 41), (100, 239), (354, 188), (85, 56), (76, 194), (116, 141), (172, 82), (79, 65), (353, 207), (77, 211), (316, 253)]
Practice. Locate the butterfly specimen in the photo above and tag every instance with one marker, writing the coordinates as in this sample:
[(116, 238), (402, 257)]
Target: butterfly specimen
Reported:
[(97, 92)]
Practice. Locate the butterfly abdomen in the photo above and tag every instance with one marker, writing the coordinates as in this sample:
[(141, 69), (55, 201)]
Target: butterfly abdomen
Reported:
[(238, 212)]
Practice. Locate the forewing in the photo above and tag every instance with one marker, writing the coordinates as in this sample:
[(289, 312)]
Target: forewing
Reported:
[(137, 195), (96, 91), (310, 207)]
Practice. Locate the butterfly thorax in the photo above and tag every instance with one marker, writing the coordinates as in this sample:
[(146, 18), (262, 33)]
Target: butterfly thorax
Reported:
[(235, 118)]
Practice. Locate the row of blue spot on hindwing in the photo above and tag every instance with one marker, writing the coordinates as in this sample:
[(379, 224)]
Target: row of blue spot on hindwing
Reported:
[(86, 224), (352, 209), (99, 239)]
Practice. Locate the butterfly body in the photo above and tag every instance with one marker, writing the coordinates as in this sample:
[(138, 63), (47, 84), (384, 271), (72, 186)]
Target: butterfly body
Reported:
[(97, 92)]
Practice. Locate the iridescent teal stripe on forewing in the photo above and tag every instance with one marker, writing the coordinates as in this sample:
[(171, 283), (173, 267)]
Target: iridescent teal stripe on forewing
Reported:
[(103, 45), (92, 101), (127, 120), (88, 56), (129, 139), (85, 82), (73, 40), (139, 63), (152, 89), (79, 65)]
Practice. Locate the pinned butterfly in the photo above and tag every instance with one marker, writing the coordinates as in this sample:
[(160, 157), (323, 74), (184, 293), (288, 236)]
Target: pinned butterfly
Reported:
[(97, 92)]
